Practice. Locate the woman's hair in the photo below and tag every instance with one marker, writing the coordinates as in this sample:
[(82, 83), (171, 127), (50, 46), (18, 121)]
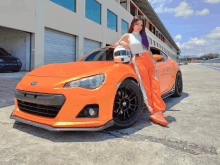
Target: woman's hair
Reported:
[(142, 32)]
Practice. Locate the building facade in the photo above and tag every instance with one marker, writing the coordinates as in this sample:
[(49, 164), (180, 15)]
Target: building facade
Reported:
[(41, 32)]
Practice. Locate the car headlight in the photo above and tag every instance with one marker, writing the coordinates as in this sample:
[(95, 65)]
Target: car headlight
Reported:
[(1, 60), (18, 60), (88, 82)]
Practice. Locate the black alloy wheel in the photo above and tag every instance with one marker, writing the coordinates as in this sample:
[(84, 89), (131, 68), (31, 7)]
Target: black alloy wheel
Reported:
[(178, 85), (128, 104)]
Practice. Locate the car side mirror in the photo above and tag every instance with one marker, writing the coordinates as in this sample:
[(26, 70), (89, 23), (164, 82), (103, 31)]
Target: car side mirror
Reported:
[(157, 56)]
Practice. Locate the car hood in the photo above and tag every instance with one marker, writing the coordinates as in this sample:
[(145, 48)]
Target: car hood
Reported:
[(72, 69)]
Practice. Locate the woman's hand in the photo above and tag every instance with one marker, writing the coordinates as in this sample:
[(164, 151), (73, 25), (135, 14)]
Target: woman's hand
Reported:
[(125, 45)]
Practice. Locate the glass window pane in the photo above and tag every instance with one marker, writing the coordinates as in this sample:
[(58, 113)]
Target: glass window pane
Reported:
[(102, 54), (123, 3), (68, 4), (3, 52), (124, 27), (93, 11), (111, 20)]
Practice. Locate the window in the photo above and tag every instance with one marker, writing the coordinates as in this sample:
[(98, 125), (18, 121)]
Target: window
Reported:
[(123, 3), (3, 52), (68, 4), (93, 11), (103, 54), (132, 9), (164, 56), (111, 20), (164, 40), (157, 44), (150, 41), (153, 30), (150, 27), (124, 27), (156, 51), (154, 43)]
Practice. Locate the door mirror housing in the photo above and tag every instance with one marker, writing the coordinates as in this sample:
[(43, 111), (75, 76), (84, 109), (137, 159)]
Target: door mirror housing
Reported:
[(157, 56)]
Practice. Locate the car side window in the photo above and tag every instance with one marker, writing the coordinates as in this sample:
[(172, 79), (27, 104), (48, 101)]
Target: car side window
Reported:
[(164, 56), (103, 54), (3, 52), (154, 50)]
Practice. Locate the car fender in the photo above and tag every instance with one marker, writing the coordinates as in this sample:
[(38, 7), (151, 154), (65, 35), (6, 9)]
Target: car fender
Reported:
[(119, 72)]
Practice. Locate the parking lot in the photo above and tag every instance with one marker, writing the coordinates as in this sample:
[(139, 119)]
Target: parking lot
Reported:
[(192, 136)]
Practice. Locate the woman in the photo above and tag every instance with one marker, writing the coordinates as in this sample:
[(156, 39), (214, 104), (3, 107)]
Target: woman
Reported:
[(145, 67)]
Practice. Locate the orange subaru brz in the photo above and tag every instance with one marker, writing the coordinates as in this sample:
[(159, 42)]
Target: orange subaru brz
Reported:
[(91, 94)]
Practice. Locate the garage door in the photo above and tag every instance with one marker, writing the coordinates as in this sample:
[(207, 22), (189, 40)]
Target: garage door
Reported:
[(16, 43), (59, 47), (90, 45)]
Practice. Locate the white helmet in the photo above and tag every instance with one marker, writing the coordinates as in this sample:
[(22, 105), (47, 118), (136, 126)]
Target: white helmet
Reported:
[(121, 54)]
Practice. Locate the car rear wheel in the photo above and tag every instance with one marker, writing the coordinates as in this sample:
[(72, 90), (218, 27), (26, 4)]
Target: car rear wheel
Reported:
[(178, 85), (128, 104)]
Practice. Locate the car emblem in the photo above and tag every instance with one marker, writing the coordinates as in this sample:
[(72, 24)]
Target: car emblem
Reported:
[(34, 83)]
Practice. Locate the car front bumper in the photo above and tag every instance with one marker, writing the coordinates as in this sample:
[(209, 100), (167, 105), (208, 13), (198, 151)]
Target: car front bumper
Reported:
[(50, 128), (71, 102), (10, 66)]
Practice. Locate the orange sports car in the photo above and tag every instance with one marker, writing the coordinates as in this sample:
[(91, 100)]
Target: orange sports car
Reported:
[(91, 94)]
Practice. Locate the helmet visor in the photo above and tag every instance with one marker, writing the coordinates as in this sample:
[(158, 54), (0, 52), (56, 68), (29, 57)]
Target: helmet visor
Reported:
[(122, 53)]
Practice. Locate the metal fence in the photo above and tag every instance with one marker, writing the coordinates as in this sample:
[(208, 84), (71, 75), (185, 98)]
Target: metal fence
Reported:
[(214, 60)]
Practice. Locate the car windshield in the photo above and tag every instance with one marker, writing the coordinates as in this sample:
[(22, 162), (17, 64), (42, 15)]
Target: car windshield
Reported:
[(102, 54), (3, 52)]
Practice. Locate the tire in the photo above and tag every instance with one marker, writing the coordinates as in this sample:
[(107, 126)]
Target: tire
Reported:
[(128, 104), (178, 85)]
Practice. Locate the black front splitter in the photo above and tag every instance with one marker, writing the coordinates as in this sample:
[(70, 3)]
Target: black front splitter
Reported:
[(108, 124)]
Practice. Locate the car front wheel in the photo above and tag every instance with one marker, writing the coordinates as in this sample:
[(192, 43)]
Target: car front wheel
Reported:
[(128, 104)]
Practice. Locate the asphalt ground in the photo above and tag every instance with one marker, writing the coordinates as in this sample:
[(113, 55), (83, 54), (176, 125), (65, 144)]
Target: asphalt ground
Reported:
[(192, 136), (216, 67), (8, 83)]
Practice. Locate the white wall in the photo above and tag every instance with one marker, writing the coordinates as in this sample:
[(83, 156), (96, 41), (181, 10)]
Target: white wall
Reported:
[(18, 14), (77, 24), (39, 34), (60, 18)]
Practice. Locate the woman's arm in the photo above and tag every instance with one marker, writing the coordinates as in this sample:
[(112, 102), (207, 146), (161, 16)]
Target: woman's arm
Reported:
[(123, 41)]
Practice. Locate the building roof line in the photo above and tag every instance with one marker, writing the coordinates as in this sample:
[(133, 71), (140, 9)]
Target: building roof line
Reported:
[(148, 10)]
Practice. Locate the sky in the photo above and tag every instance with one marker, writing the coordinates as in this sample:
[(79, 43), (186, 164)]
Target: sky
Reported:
[(193, 24)]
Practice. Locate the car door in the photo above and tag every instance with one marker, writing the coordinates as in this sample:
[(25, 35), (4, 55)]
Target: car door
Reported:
[(167, 81), (161, 69)]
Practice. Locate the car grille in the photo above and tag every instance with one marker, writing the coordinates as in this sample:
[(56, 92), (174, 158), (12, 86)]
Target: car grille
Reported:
[(10, 60), (10, 67), (50, 111)]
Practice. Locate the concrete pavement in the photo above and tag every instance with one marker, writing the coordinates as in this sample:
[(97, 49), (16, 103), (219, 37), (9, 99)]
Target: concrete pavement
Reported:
[(9, 81), (9, 74), (192, 136)]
